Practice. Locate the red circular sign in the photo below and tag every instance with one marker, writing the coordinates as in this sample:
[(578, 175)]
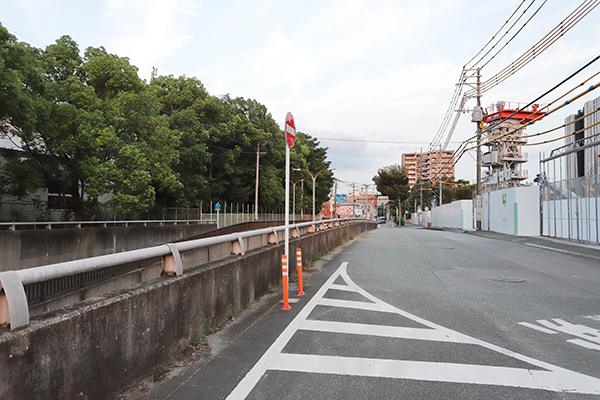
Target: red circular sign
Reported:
[(290, 130)]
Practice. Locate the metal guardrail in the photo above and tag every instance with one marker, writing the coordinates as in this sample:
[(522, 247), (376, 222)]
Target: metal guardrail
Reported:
[(14, 298), (79, 224)]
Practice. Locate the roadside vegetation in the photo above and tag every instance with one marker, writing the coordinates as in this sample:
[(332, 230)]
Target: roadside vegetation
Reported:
[(84, 126)]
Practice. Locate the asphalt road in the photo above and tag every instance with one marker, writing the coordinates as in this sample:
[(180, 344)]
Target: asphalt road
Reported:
[(407, 313)]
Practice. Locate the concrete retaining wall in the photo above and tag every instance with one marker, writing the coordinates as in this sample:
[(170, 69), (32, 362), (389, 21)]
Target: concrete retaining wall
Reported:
[(32, 248), (100, 346)]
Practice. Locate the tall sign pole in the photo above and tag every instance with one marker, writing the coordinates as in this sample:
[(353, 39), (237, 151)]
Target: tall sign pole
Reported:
[(290, 138)]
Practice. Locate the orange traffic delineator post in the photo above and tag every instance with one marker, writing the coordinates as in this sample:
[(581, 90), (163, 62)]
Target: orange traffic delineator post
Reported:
[(299, 266), (284, 273)]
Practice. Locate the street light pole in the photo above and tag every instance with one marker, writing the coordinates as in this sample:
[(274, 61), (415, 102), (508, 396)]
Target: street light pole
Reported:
[(314, 179), (294, 200)]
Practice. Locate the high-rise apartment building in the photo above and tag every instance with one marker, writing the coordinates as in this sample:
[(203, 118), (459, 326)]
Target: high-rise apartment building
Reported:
[(583, 132), (427, 165)]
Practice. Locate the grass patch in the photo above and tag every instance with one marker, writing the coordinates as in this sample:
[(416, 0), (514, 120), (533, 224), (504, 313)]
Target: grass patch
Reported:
[(206, 328)]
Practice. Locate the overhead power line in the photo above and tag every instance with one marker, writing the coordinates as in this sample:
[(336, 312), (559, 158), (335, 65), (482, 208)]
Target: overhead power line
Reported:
[(372, 141), (571, 20), (468, 72), (17, 32), (502, 37), (463, 148), (493, 37), (514, 36), (563, 27)]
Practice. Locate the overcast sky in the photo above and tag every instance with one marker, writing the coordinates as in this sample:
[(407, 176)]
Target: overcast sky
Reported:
[(356, 70)]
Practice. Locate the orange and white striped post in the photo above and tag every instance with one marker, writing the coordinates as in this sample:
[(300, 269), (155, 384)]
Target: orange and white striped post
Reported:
[(299, 266), (284, 273)]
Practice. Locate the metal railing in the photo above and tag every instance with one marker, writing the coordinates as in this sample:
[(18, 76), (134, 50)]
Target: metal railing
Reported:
[(223, 220), (80, 224), (20, 288)]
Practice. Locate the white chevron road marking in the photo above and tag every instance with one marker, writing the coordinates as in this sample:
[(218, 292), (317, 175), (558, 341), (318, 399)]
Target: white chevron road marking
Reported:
[(546, 377)]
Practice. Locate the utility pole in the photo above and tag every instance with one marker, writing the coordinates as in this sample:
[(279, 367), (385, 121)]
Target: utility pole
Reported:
[(366, 206), (479, 121), (258, 154), (335, 200), (353, 201), (441, 175)]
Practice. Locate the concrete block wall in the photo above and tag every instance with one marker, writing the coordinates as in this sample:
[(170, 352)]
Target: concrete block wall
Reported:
[(95, 348)]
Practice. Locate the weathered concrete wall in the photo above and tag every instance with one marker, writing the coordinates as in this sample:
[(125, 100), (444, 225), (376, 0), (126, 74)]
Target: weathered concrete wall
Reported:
[(100, 346), (32, 248)]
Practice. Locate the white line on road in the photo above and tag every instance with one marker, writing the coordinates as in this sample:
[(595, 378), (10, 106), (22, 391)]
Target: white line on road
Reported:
[(385, 331), (251, 379), (565, 381), (548, 377), (539, 328)]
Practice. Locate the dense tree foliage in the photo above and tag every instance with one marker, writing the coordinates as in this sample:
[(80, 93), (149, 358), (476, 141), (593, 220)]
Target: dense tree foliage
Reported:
[(91, 131), (392, 181)]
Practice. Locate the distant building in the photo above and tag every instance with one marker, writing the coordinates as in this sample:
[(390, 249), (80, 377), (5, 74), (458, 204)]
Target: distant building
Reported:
[(355, 202), (427, 165), (582, 132)]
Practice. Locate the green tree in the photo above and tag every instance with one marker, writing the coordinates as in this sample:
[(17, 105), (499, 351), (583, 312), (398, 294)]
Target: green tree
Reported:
[(421, 194), (21, 85), (96, 131), (185, 104), (392, 181), (252, 124), (21, 82), (88, 126), (462, 189)]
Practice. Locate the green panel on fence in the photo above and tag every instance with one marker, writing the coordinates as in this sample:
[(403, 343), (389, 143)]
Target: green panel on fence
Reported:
[(516, 215)]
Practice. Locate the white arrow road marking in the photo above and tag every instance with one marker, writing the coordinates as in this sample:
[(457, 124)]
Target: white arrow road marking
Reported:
[(550, 377), (582, 331)]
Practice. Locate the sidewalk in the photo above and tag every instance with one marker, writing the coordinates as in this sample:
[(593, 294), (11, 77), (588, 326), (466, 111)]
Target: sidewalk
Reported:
[(561, 245), (213, 370)]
